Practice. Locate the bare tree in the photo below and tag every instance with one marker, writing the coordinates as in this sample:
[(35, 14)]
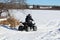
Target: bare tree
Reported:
[(23, 2), (18, 3), (0, 12)]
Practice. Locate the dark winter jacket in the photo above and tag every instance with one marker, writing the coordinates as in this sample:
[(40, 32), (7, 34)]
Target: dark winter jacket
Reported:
[(28, 18)]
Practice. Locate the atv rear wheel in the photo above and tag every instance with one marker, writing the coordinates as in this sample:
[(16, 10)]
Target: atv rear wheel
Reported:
[(20, 28)]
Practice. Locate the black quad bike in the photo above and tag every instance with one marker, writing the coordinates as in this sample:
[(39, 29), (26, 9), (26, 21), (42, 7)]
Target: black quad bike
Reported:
[(27, 27)]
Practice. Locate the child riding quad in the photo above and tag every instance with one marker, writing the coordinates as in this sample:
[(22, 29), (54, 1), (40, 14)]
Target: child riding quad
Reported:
[(28, 25)]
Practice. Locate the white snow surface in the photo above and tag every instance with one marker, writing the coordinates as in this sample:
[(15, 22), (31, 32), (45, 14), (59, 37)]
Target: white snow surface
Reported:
[(47, 22)]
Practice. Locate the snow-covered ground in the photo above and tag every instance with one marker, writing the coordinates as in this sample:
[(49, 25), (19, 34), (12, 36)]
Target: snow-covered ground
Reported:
[(47, 22)]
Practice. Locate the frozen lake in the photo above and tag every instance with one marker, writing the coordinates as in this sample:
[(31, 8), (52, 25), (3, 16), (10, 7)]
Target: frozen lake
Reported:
[(47, 22)]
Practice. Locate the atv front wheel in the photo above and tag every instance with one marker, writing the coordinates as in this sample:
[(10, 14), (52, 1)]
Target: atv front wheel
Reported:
[(34, 28)]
